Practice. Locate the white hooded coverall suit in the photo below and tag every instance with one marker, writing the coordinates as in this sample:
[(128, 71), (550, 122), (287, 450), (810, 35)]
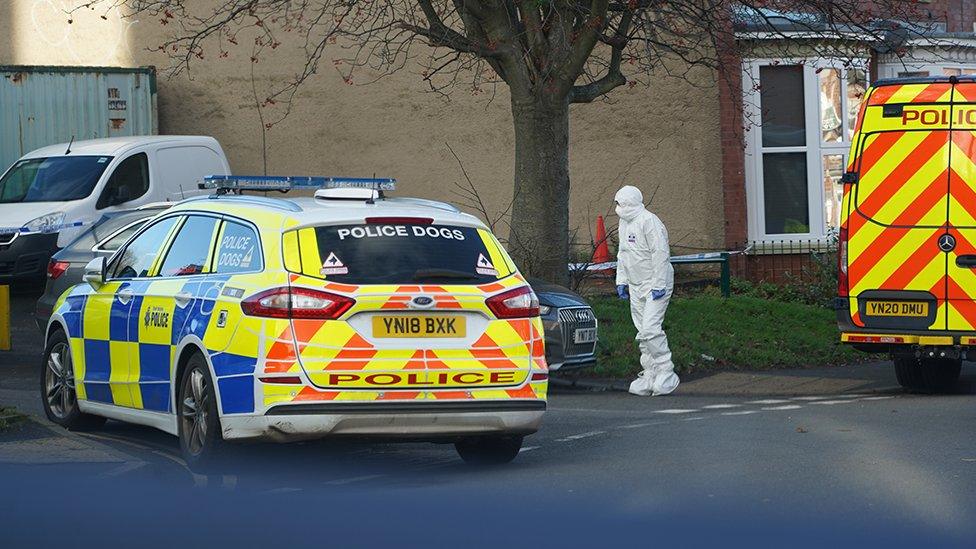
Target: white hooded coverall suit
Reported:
[(643, 264)]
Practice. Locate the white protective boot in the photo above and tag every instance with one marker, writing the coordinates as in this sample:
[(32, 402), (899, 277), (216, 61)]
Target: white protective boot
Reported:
[(657, 377)]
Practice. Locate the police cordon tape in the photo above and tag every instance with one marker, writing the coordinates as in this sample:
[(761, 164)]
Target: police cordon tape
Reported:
[(45, 230), (708, 257)]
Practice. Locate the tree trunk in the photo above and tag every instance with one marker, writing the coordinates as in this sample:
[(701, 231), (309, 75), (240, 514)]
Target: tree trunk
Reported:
[(539, 239)]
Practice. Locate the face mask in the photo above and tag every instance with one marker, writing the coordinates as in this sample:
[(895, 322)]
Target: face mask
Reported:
[(629, 203)]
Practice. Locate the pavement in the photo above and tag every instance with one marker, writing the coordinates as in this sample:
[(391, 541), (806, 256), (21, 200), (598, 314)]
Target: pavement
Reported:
[(825, 455)]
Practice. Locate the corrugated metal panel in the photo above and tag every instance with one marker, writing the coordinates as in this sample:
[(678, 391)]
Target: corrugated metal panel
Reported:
[(45, 105)]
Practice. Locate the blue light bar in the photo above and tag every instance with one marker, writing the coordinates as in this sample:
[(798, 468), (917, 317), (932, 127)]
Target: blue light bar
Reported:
[(286, 183)]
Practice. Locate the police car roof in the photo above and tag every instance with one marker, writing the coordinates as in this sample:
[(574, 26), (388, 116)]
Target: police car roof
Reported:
[(309, 211)]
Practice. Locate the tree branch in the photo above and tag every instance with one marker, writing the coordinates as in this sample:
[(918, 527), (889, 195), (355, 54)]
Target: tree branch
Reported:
[(613, 78)]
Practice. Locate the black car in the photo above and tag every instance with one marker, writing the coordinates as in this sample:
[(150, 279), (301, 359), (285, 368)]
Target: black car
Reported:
[(570, 327)]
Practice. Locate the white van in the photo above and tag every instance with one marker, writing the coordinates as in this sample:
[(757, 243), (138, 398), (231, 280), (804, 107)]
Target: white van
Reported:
[(48, 195)]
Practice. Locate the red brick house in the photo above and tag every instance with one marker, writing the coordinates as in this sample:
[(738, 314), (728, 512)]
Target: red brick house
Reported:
[(787, 117)]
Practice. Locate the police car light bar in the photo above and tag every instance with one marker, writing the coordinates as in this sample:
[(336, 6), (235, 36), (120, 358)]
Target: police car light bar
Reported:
[(237, 183)]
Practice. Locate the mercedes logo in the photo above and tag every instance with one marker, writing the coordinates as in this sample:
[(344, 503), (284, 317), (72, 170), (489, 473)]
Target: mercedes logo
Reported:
[(947, 242)]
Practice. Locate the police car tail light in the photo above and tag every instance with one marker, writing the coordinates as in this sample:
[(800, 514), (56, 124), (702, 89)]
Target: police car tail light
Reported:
[(297, 303), (399, 220), (517, 303)]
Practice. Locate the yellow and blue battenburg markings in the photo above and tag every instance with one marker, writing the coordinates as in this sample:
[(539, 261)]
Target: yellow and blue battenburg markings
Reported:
[(124, 352)]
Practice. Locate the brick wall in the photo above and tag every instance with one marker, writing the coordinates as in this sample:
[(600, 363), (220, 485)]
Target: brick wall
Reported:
[(733, 153), (958, 15)]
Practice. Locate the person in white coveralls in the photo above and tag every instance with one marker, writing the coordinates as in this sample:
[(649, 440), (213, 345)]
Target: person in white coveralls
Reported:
[(646, 277)]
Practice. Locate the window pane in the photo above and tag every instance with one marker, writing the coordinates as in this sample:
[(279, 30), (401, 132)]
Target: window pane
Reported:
[(190, 248), (238, 251), (129, 181), (781, 100), (969, 71), (139, 255), (833, 169), (785, 193), (913, 74), (857, 84), (831, 123), (951, 72), (118, 240), (434, 254)]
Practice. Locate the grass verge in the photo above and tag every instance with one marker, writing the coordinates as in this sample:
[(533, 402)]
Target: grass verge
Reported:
[(707, 332), (9, 417)]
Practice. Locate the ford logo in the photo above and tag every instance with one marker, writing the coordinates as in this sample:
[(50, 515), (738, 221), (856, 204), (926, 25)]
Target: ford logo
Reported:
[(422, 301)]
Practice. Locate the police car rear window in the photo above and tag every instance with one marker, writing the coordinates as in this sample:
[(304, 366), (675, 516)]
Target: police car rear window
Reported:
[(402, 254)]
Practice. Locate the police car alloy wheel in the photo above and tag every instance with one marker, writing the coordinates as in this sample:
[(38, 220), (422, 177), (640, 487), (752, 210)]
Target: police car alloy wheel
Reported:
[(199, 426), (489, 450), (58, 387)]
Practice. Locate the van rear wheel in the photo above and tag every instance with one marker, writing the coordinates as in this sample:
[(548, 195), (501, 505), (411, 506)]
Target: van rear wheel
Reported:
[(927, 375)]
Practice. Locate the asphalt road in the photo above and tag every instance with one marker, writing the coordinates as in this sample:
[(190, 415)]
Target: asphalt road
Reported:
[(833, 468)]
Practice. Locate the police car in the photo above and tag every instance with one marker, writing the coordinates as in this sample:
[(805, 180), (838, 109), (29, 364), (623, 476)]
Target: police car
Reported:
[(235, 317)]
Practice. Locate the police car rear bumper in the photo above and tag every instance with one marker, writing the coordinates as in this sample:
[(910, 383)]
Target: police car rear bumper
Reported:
[(407, 420)]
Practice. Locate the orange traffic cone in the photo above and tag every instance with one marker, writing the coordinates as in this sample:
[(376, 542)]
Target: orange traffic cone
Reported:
[(602, 252)]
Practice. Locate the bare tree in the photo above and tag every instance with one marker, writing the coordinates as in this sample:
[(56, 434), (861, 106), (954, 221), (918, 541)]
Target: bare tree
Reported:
[(550, 54)]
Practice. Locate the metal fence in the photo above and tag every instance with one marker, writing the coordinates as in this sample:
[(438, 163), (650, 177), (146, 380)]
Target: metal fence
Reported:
[(783, 261)]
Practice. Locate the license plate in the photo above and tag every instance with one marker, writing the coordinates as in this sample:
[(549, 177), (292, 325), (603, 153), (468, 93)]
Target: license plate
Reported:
[(897, 308), (584, 335), (418, 326)]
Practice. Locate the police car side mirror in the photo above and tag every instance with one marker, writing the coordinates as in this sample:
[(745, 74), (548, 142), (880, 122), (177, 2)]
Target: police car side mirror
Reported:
[(95, 272)]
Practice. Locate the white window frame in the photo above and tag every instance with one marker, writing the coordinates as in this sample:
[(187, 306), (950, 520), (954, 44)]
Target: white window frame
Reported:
[(815, 149)]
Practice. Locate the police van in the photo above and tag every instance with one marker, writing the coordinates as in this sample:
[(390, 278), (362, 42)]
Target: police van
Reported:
[(907, 243), (235, 317)]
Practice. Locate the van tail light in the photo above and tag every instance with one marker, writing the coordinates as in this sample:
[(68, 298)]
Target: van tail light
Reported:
[(297, 303), (517, 303), (842, 288), (56, 268)]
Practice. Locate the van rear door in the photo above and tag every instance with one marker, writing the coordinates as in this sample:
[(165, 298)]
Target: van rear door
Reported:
[(961, 259), (898, 208)]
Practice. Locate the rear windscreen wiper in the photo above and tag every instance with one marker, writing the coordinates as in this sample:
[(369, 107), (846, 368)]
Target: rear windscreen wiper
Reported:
[(448, 274)]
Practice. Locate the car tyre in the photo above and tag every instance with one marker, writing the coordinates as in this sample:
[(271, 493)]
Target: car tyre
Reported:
[(201, 441), (489, 450), (927, 375), (58, 393)]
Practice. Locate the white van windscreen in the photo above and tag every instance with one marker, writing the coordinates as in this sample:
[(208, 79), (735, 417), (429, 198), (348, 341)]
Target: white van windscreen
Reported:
[(53, 179)]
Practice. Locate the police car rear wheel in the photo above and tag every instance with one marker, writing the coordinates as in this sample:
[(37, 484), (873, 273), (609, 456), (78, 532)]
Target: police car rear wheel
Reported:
[(199, 425), (58, 387), (489, 450)]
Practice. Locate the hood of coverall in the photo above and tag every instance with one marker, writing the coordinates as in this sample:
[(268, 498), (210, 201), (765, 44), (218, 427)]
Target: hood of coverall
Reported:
[(630, 202)]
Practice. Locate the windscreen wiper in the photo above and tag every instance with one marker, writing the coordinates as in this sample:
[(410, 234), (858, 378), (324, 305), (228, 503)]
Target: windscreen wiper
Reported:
[(445, 274)]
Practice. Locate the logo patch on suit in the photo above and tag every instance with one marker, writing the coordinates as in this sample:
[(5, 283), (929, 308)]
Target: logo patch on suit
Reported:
[(632, 238)]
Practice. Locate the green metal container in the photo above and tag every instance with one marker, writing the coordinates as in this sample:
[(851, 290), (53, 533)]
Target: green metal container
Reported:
[(42, 106)]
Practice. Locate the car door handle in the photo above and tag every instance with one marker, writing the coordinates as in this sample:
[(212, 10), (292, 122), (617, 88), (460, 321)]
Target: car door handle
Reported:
[(966, 261), (124, 296), (183, 298)]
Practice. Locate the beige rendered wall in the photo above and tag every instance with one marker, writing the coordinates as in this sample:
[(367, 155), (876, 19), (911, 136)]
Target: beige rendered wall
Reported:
[(663, 138)]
